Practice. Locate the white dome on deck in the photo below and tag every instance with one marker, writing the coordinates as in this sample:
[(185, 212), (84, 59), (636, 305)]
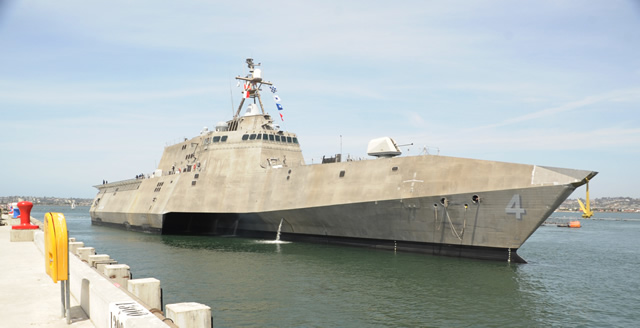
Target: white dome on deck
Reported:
[(222, 126), (252, 109), (383, 147)]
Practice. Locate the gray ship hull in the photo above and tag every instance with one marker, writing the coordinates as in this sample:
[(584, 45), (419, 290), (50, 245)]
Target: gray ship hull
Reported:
[(450, 223), (248, 177)]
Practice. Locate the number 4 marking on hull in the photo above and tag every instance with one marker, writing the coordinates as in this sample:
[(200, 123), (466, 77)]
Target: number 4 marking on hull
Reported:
[(514, 207)]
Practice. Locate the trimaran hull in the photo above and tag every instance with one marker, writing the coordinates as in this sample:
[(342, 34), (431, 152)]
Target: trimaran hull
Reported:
[(454, 223), (247, 177)]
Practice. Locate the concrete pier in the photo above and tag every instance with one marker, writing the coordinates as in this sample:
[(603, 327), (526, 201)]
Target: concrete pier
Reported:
[(21, 235), (98, 291), (29, 297)]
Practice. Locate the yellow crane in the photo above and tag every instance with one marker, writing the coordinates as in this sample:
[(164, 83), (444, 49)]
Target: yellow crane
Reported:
[(586, 210)]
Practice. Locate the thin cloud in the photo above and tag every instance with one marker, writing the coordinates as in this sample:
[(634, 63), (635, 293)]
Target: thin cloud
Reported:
[(74, 94), (544, 140), (590, 100)]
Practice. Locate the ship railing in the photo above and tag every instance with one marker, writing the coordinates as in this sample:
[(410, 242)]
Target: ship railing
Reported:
[(117, 183), (174, 142)]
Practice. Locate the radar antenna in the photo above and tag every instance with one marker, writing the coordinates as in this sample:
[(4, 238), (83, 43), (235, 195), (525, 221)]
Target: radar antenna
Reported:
[(253, 83)]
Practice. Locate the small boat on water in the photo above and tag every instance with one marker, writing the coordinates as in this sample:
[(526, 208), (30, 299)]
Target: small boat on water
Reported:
[(562, 223), (248, 177), (570, 224)]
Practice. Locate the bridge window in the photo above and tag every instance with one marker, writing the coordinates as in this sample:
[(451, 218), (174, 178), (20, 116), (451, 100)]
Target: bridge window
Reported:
[(278, 138), (224, 139), (289, 139), (245, 137), (295, 140), (216, 139), (271, 137), (252, 136)]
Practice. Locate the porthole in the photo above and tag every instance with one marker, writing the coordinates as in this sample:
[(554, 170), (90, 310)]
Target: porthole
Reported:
[(475, 199)]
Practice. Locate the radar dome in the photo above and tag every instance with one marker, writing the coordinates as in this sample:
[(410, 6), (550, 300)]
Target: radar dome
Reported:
[(222, 126)]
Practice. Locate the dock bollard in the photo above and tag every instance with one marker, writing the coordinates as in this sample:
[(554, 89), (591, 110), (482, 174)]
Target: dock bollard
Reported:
[(118, 273), (25, 230), (25, 217), (74, 245), (84, 253), (97, 258), (147, 290), (101, 264), (189, 314)]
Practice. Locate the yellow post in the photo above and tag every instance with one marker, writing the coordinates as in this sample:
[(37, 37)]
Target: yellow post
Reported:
[(56, 247), (56, 257)]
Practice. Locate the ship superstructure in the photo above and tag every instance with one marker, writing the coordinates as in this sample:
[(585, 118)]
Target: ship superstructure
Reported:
[(248, 177)]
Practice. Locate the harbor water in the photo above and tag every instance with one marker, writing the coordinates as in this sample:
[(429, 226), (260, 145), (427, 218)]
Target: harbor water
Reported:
[(585, 277)]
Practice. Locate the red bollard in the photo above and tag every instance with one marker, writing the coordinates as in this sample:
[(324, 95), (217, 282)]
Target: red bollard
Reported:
[(25, 217)]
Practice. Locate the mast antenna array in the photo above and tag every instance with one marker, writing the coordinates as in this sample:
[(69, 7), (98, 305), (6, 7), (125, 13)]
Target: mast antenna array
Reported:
[(252, 85)]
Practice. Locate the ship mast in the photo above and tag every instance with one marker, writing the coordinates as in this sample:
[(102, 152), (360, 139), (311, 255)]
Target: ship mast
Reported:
[(253, 82)]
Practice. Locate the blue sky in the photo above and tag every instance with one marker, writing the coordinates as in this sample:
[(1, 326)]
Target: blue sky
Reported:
[(93, 90)]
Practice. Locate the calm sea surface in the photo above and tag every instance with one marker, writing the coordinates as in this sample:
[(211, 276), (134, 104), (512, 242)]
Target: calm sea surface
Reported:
[(587, 277)]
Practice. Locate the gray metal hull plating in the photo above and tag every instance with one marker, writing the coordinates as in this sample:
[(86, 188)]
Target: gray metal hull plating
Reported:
[(433, 204)]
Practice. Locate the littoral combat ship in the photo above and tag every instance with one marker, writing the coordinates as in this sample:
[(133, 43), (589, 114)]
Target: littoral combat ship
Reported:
[(249, 178)]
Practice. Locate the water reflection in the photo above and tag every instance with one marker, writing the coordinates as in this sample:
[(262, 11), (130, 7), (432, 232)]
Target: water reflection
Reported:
[(324, 285)]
